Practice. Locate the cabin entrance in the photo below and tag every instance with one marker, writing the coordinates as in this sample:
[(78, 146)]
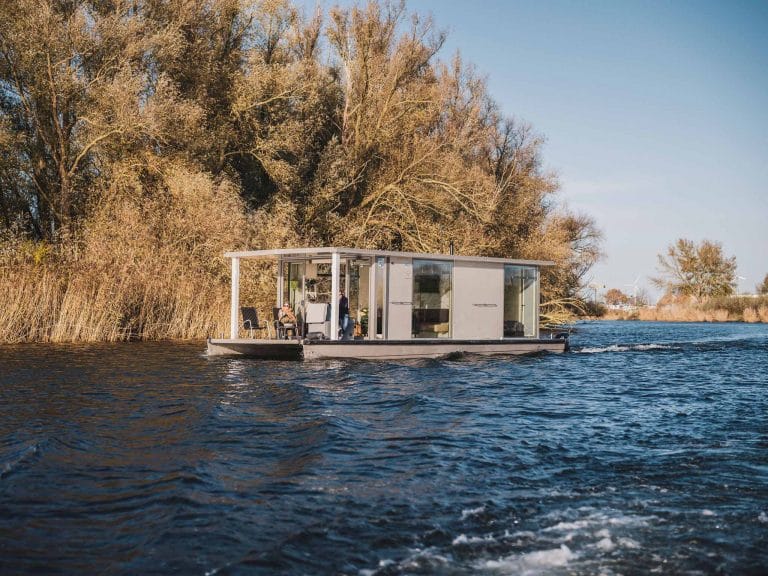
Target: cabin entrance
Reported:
[(307, 283), (520, 301), (432, 282)]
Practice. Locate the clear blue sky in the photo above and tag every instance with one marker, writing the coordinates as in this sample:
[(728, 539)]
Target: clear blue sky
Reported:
[(655, 115)]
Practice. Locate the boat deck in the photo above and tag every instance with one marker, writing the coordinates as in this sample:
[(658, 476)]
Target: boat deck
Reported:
[(267, 349), (380, 349)]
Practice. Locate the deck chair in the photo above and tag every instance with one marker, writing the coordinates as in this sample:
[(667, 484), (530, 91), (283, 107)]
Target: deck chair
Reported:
[(251, 320)]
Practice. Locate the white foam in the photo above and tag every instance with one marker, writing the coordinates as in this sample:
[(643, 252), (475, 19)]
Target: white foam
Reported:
[(524, 534), (569, 526), (532, 563), (706, 512), (606, 544), (464, 539), (428, 555), (643, 347), (472, 512), (629, 543), (612, 348), (626, 348), (762, 517), (596, 524)]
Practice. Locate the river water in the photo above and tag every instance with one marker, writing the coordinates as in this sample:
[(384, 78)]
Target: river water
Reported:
[(645, 449)]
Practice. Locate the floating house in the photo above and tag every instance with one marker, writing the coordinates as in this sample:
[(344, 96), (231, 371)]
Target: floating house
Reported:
[(400, 304)]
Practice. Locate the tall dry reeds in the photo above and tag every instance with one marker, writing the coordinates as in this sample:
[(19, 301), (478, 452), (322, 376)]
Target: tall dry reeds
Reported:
[(726, 309), (147, 266), (678, 313), (756, 314)]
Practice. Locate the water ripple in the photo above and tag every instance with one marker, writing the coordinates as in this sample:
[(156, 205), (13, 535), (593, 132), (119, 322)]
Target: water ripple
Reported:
[(643, 451)]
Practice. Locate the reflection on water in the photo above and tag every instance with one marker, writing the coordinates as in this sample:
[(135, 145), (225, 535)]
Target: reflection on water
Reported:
[(643, 450)]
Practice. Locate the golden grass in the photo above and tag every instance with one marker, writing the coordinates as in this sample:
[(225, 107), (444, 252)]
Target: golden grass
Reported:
[(147, 268), (680, 313), (691, 312)]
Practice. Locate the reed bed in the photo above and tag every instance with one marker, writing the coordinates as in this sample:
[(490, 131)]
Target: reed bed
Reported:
[(734, 309), (149, 269), (54, 304)]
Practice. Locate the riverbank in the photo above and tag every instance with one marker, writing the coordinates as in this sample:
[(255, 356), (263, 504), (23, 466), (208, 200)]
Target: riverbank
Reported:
[(732, 309)]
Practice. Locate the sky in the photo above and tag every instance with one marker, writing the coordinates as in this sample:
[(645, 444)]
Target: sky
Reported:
[(655, 115)]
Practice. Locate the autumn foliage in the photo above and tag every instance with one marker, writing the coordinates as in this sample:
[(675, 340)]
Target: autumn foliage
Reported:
[(140, 139)]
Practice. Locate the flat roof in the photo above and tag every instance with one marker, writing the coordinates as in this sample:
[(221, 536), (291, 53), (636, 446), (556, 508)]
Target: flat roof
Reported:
[(305, 253)]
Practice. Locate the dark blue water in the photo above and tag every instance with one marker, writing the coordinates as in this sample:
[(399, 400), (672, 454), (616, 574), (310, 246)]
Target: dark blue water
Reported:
[(644, 450)]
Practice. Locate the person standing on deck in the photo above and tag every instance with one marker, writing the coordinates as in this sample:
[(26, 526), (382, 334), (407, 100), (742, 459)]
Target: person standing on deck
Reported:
[(343, 313)]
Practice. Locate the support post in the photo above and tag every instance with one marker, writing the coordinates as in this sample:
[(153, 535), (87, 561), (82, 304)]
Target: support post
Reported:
[(347, 274), (234, 315), (279, 298), (335, 261), (537, 302), (372, 300)]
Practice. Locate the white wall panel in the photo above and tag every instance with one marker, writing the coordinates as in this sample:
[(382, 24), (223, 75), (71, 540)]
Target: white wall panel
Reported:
[(478, 300), (400, 305)]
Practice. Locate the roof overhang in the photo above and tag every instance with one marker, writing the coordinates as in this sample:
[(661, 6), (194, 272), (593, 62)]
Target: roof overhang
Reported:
[(326, 251)]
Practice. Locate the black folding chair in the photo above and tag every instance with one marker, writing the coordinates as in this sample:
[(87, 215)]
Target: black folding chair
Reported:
[(251, 320)]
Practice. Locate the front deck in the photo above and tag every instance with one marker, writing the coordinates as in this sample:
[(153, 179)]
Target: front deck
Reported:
[(266, 349)]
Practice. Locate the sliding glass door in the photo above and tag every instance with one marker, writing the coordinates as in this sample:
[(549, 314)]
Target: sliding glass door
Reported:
[(520, 305), (432, 281)]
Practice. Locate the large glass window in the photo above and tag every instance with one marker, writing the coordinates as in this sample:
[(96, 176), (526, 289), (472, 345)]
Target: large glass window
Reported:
[(519, 301), (359, 272), (432, 281), (294, 283)]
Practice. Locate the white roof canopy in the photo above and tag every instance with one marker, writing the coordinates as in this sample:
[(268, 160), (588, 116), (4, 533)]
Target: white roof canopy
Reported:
[(308, 253)]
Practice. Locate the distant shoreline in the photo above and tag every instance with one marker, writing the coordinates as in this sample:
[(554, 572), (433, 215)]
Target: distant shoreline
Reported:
[(750, 310)]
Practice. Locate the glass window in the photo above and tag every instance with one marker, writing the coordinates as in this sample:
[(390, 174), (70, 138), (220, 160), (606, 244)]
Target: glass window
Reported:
[(432, 280), (295, 286), (519, 301)]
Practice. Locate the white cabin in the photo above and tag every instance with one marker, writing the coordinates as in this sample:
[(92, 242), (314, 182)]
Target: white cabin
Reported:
[(397, 296)]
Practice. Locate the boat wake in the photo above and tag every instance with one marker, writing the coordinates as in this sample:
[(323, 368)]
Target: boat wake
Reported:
[(626, 348)]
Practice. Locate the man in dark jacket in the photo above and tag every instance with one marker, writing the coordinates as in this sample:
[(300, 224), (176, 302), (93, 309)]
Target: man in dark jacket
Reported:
[(343, 313)]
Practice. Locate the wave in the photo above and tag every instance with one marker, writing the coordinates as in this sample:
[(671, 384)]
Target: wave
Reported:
[(472, 512), (537, 562), (17, 458), (626, 348)]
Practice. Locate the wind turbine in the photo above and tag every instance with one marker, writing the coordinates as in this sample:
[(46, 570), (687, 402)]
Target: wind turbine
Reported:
[(634, 290), (738, 281)]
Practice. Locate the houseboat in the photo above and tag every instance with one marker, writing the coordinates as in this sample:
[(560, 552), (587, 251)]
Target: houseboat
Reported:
[(400, 305)]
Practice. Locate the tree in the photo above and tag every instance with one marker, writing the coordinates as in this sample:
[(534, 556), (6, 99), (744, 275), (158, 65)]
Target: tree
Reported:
[(615, 297), (63, 89), (762, 288), (698, 271), (285, 128)]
